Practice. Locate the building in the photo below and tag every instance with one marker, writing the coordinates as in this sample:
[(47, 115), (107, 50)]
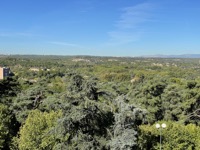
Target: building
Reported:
[(4, 72)]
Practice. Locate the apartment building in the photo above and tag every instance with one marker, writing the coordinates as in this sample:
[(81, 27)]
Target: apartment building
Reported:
[(4, 72)]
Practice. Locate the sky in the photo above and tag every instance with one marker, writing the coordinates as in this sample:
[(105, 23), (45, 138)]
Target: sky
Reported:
[(100, 27)]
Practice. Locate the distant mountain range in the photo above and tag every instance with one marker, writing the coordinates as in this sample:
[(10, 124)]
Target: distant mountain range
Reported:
[(174, 56), (143, 56)]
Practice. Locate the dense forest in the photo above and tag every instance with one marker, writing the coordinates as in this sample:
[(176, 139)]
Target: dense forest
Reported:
[(99, 103)]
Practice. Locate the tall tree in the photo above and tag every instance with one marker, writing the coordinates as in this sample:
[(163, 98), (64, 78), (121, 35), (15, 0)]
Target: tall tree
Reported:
[(125, 130), (37, 132)]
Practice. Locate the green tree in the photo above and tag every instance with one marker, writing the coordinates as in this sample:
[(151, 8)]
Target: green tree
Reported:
[(37, 131), (5, 126), (76, 83), (125, 128), (28, 100), (148, 95), (175, 136), (85, 119), (9, 88)]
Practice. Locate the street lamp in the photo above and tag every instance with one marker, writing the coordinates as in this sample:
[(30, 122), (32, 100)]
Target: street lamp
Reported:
[(158, 126)]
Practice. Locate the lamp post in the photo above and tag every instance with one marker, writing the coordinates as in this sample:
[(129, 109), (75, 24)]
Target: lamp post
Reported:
[(158, 126)]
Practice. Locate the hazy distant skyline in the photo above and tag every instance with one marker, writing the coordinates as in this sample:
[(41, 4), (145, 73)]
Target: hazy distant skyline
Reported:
[(100, 27)]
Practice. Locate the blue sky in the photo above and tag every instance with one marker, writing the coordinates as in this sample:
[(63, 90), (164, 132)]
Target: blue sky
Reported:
[(99, 27)]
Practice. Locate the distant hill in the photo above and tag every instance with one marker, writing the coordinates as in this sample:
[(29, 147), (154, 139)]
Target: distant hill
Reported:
[(175, 56), (91, 56)]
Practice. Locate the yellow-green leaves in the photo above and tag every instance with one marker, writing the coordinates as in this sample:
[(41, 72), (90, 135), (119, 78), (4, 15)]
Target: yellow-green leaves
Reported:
[(37, 131), (175, 136)]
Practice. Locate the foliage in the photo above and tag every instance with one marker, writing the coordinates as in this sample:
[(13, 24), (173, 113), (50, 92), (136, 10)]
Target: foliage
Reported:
[(127, 119), (28, 100), (103, 101), (176, 136), (167, 100), (36, 133), (9, 88), (85, 119), (6, 126)]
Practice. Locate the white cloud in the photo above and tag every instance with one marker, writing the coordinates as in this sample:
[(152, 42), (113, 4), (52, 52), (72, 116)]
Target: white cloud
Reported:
[(129, 26), (17, 34), (133, 16), (64, 44), (121, 37), (61, 43)]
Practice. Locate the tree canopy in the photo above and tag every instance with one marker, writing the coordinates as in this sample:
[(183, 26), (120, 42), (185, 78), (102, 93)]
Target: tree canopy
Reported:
[(85, 102)]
